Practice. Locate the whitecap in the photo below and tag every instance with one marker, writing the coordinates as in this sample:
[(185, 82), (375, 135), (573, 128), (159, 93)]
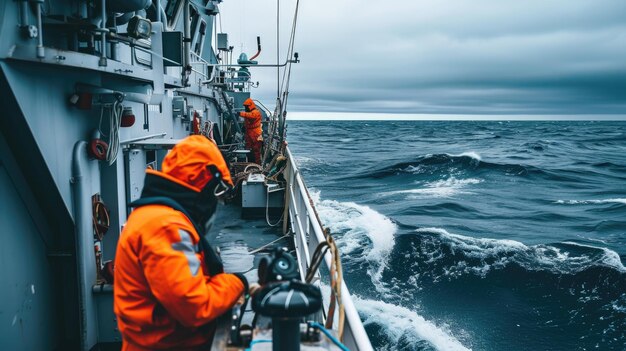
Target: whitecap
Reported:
[(609, 257), (454, 182), (471, 154), (440, 188), (362, 228), (399, 321), (497, 253), (593, 239), (590, 202)]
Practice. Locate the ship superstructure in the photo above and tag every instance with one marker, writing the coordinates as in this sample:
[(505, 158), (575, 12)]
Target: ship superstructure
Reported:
[(91, 94)]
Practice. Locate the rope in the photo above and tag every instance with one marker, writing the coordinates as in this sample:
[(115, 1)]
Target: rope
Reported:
[(240, 171), (267, 209), (268, 244), (207, 131), (252, 165), (316, 260), (115, 122), (336, 278), (336, 273)]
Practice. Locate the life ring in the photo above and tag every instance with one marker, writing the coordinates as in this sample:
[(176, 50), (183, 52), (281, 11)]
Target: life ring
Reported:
[(98, 149)]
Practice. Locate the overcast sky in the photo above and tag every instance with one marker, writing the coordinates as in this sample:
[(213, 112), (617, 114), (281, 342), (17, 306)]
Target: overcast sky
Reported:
[(442, 56)]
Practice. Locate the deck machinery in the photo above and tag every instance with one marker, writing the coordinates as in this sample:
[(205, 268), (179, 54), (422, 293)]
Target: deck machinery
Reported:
[(93, 92)]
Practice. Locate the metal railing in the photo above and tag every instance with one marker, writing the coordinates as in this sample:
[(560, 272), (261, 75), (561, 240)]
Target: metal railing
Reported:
[(308, 233), (229, 77)]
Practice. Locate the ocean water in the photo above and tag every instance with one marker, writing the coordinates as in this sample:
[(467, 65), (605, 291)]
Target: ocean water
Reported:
[(476, 235)]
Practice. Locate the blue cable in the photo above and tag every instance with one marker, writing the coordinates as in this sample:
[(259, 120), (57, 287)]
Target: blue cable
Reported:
[(256, 342), (329, 335)]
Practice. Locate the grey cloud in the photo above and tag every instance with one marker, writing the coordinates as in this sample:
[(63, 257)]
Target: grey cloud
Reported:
[(449, 56)]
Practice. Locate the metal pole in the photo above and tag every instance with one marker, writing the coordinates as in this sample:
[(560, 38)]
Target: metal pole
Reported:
[(265, 66), (85, 256), (24, 13), (40, 49), (103, 35), (158, 10), (134, 140), (186, 39)]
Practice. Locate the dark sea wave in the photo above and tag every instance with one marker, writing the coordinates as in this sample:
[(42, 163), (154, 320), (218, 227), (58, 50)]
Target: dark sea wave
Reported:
[(432, 164), (476, 235)]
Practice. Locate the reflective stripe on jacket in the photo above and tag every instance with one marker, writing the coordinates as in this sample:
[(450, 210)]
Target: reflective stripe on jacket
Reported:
[(163, 296)]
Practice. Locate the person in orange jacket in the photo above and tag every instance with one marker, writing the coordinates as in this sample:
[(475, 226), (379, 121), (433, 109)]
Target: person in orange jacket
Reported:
[(254, 133), (169, 283)]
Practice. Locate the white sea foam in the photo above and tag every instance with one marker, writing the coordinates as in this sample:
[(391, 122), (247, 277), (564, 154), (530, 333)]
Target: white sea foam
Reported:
[(471, 154), (362, 228), (592, 239), (398, 321), (419, 169), (304, 161), (497, 253), (609, 257), (591, 202), (453, 182), (440, 188)]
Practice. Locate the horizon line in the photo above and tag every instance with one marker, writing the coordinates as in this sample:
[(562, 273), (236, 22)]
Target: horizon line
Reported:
[(373, 116)]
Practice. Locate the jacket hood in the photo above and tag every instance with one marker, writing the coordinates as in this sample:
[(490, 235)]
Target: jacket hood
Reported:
[(186, 164), (249, 103)]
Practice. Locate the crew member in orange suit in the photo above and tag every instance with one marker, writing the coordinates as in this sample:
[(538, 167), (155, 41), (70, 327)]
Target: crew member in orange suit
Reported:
[(254, 133), (169, 283)]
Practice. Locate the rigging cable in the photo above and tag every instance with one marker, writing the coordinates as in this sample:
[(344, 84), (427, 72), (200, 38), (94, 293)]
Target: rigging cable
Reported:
[(290, 49), (287, 74), (283, 90), (278, 49), (268, 244)]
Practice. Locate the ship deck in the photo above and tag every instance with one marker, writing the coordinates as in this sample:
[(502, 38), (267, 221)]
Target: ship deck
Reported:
[(236, 237)]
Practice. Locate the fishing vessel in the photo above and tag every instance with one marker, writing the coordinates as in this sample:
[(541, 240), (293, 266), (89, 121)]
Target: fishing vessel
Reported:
[(93, 93)]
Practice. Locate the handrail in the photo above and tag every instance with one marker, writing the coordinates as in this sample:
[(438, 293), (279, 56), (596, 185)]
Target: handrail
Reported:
[(355, 336), (267, 110)]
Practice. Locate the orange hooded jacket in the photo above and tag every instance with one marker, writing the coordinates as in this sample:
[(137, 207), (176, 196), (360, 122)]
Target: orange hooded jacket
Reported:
[(252, 119), (163, 296)]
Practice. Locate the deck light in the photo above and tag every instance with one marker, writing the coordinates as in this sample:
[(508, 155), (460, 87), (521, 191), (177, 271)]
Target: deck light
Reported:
[(139, 27)]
